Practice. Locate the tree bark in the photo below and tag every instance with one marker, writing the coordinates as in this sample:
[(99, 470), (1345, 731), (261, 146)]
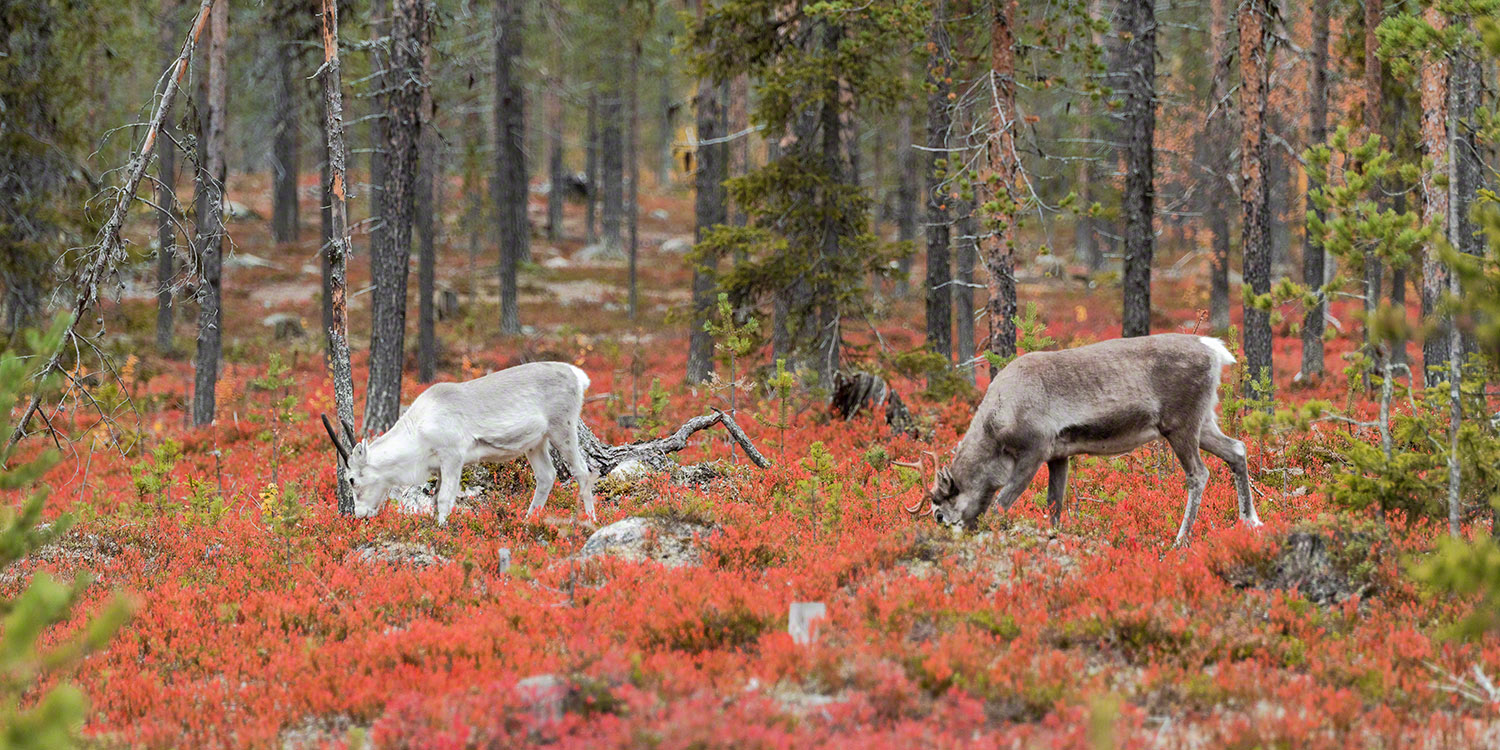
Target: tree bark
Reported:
[(1312, 251), (389, 266), (710, 209), (510, 159), (939, 216), (556, 175), (591, 168), (211, 218), (612, 166), (1434, 94), (1137, 19), (285, 146), (998, 243), (1219, 197), (166, 197), (427, 172), (337, 249), (633, 165), (906, 191), (1373, 272), (1255, 193)]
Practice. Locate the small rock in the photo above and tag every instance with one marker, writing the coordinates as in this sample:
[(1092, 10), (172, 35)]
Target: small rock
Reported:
[(285, 326), (398, 553), (677, 245), (246, 260), (801, 618), (666, 541), (545, 693)]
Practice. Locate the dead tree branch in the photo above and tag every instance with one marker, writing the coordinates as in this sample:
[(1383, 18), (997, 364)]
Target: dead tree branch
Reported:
[(108, 250), (653, 453)]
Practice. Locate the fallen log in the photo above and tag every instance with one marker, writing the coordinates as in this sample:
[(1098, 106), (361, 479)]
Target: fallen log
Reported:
[(603, 458)]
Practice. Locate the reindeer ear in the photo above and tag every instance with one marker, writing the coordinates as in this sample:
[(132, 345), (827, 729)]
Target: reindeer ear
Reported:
[(943, 486)]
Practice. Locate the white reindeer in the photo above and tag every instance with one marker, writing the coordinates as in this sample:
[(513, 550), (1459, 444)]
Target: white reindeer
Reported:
[(499, 417)]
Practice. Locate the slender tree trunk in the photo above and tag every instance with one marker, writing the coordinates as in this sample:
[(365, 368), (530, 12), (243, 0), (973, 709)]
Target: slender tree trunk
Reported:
[(592, 170), (285, 146), (389, 266), (427, 174), (612, 166), (967, 256), (710, 210), (211, 227), (1255, 193), (1219, 197), (906, 191), (510, 159), (337, 250), (939, 213), (325, 215), (1434, 93), (166, 195), (1373, 272), (1312, 251), (633, 165), (664, 135), (556, 175), (1137, 20), (998, 244)]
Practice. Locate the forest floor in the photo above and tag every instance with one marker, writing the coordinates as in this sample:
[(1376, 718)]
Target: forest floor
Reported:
[(265, 619)]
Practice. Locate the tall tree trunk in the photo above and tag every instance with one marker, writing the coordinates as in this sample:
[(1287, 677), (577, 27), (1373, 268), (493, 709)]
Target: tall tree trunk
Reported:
[(325, 216), (710, 209), (1312, 251), (1373, 272), (337, 249), (166, 195), (967, 256), (556, 175), (664, 134), (285, 146), (211, 227), (427, 175), (1218, 196), (391, 261), (998, 244), (591, 169), (939, 216), (1137, 20), (510, 159), (906, 190), (1434, 93), (1465, 161), (1255, 193), (612, 166), (633, 165)]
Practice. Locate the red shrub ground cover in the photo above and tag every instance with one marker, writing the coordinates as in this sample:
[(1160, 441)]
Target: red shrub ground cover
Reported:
[(257, 625)]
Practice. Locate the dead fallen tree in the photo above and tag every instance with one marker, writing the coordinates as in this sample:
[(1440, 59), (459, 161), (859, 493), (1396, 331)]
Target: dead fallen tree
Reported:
[(603, 458), (857, 392)]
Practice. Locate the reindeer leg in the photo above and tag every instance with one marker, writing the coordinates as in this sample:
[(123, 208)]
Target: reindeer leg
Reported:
[(449, 475), (1026, 467), (1186, 448), (541, 467), (565, 437), (1233, 453), (1057, 488)]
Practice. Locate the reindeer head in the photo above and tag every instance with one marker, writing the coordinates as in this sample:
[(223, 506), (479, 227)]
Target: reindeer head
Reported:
[(949, 502), (370, 486)]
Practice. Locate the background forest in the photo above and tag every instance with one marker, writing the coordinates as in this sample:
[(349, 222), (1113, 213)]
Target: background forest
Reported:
[(822, 226)]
